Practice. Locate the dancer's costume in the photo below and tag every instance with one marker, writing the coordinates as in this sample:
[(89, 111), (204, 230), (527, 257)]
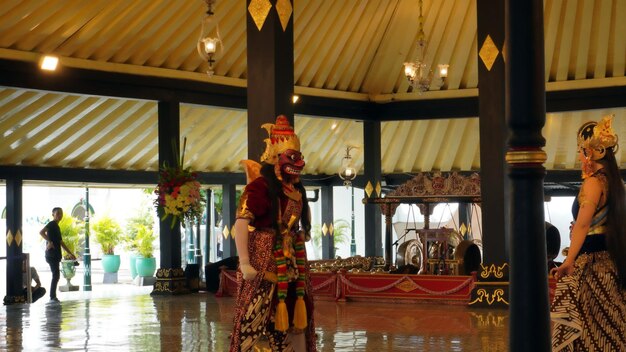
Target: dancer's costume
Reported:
[(277, 303)]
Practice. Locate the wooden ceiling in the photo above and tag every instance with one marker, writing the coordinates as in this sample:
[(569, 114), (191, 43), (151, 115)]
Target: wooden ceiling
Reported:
[(349, 49)]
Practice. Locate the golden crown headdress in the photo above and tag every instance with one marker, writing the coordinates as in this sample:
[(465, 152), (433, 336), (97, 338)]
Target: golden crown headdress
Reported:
[(281, 138), (596, 137)]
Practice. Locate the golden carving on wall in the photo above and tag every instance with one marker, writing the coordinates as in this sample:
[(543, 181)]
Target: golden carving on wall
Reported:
[(259, 9), (496, 271), (497, 296), (488, 52)]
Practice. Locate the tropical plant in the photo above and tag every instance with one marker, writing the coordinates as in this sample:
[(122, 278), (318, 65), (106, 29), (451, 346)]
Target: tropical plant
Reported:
[(108, 234), (341, 235), (143, 217), (71, 230), (145, 241)]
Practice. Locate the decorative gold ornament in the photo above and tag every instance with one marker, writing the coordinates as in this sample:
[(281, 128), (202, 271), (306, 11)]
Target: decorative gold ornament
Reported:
[(496, 271), (378, 189), (18, 238), (281, 138), (488, 52), (594, 138), (225, 232), (407, 285), (463, 229), (9, 238), (526, 157), (369, 189), (259, 9), (324, 229), (497, 296), (331, 230), (284, 9)]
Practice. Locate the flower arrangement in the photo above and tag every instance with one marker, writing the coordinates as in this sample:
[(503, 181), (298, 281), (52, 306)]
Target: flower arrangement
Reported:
[(178, 194)]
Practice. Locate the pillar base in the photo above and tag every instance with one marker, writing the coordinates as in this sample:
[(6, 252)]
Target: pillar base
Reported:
[(170, 281), (8, 300), (492, 288)]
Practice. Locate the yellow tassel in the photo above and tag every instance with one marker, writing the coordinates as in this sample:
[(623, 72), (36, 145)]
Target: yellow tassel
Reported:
[(281, 321), (299, 317)]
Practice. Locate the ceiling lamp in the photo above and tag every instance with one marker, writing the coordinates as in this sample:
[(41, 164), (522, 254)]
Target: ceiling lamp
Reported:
[(419, 75), (347, 172), (207, 43), (49, 63)]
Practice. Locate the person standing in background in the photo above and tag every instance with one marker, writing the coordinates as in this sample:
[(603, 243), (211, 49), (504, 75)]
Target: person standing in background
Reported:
[(54, 241)]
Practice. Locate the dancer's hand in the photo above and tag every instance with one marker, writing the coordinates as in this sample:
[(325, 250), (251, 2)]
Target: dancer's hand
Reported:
[(248, 271), (565, 269)]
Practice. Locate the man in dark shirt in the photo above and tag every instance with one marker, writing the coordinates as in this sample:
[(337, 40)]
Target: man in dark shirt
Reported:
[(52, 234)]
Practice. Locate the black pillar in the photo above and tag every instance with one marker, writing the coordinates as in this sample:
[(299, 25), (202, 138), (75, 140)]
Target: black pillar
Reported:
[(208, 228), (465, 216), (372, 174), (170, 275), (14, 241), (328, 239), (229, 208), (493, 135), (270, 71), (529, 329)]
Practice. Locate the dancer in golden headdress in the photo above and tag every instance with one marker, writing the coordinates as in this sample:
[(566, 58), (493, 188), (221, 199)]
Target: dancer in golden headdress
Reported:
[(273, 221), (589, 307)]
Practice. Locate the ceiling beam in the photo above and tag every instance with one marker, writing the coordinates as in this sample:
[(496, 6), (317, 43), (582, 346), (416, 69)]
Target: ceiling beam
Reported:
[(84, 81)]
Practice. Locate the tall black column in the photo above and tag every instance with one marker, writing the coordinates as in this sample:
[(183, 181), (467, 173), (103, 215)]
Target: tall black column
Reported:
[(328, 239), (14, 242), (229, 208), (270, 69), (170, 275), (373, 175), (493, 136), (529, 329), (208, 228)]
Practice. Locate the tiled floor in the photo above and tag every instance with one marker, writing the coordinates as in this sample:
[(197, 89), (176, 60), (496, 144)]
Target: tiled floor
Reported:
[(124, 317)]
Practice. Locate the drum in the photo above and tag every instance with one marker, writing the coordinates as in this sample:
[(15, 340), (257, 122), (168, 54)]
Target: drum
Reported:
[(469, 257), (409, 252)]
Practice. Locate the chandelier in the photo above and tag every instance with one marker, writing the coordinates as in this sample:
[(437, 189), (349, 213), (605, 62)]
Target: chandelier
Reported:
[(419, 75), (347, 172), (207, 44)]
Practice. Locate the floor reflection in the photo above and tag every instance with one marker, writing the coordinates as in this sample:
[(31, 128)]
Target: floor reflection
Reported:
[(201, 322)]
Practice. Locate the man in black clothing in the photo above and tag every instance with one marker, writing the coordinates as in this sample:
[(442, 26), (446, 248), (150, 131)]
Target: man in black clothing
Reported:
[(52, 234)]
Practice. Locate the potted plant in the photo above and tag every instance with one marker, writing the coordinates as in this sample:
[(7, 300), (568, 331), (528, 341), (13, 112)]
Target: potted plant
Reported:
[(71, 230), (146, 263), (144, 217), (108, 234)]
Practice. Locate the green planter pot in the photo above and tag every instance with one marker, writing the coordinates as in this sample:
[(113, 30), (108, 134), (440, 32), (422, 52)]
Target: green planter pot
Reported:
[(145, 266), (111, 263), (68, 269), (133, 267)]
